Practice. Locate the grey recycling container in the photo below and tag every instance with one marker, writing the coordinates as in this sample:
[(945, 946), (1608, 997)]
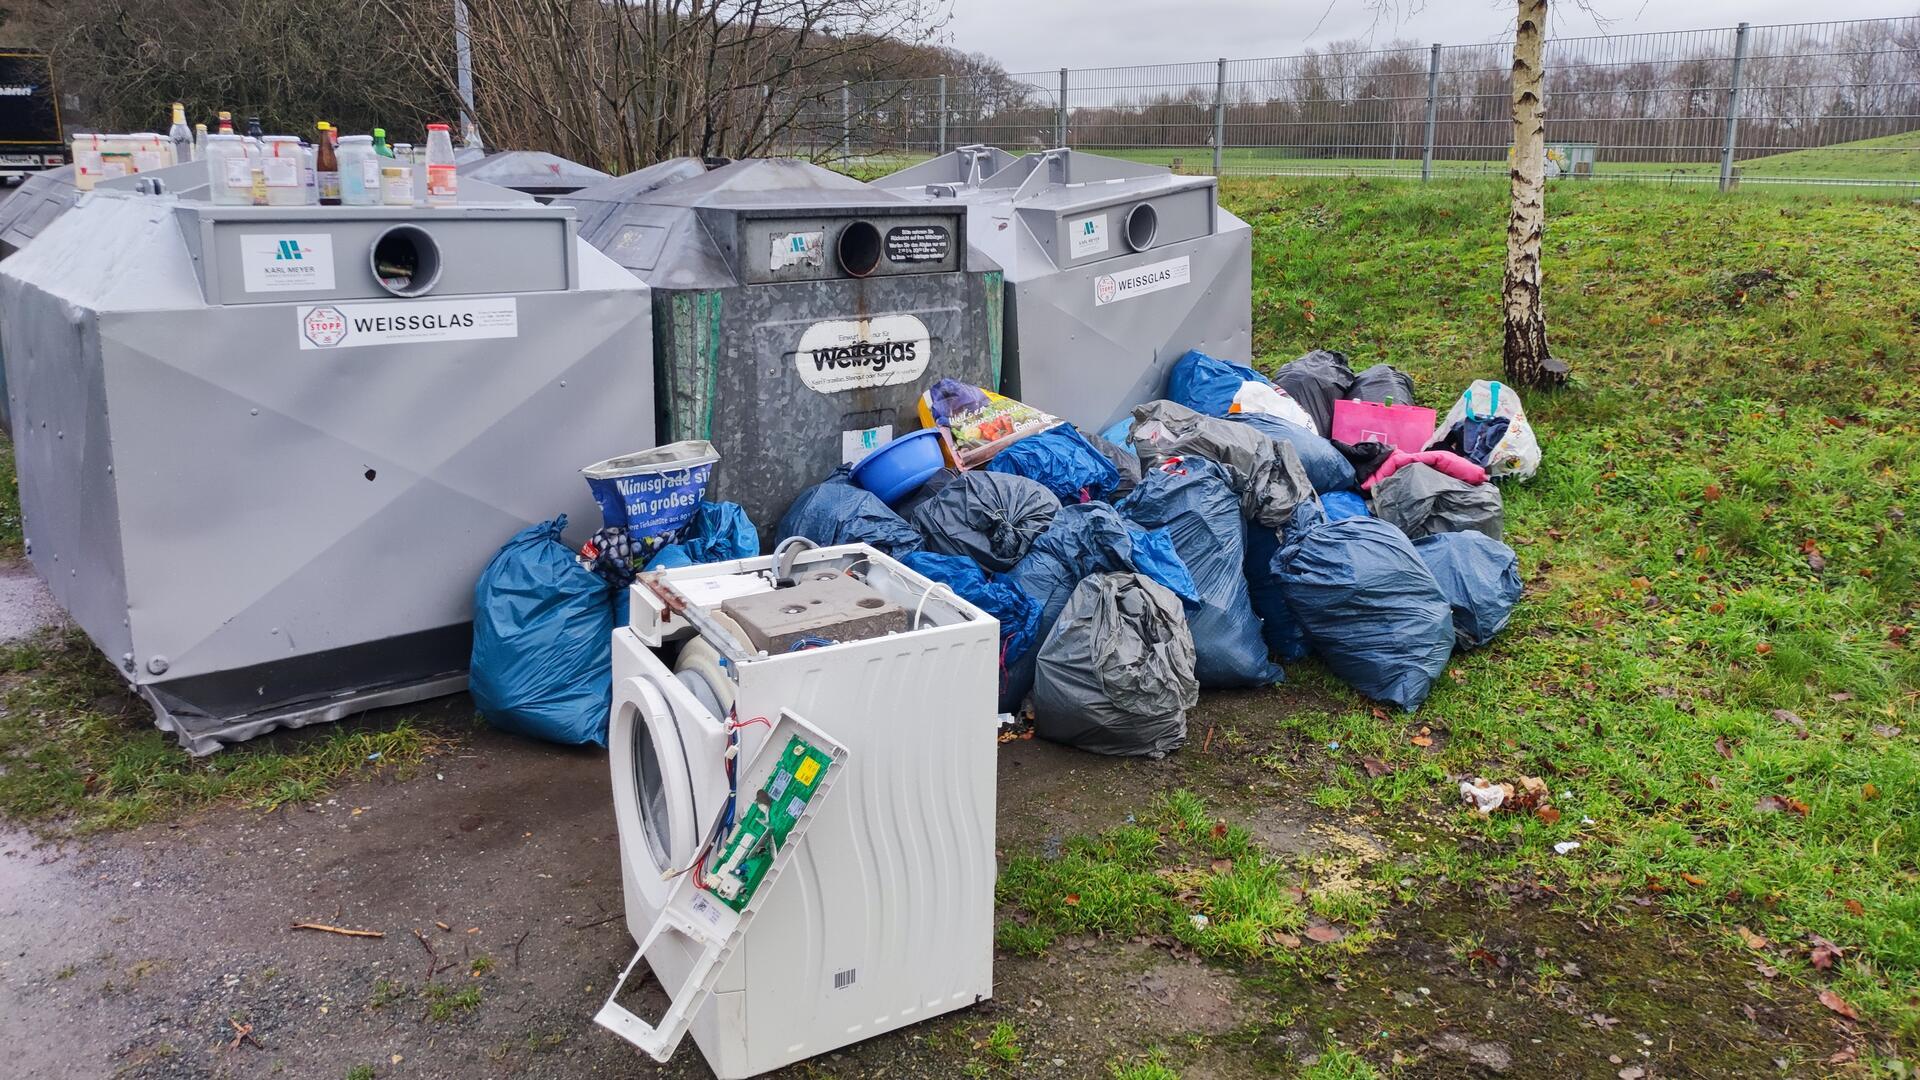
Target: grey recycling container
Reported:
[(798, 313), (264, 476), (39, 199), (534, 172), (1114, 270)]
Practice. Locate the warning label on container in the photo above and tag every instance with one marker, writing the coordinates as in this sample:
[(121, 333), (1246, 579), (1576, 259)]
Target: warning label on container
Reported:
[(1087, 236), (855, 445), (283, 262), (918, 243), (798, 249), (849, 354), (406, 322), (1141, 280)]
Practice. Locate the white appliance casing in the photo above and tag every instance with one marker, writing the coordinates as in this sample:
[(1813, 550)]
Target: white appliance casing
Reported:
[(895, 881)]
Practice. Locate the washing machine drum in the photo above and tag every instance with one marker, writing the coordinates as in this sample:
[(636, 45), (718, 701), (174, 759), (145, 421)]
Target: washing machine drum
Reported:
[(669, 766)]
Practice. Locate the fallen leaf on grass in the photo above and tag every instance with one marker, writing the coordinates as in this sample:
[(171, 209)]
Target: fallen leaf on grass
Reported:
[(1219, 829), (1753, 940), (1072, 899), (1711, 492), (1288, 941), (1844, 1056), (1839, 697), (1824, 953), (1763, 648), (1722, 747), (1838, 1004), (1375, 767), (1869, 791), (1223, 867), (1886, 731), (1325, 935), (1856, 909), (1694, 880), (1631, 1072), (1423, 740), (1717, 608), (1548, 815), (1766, 970)]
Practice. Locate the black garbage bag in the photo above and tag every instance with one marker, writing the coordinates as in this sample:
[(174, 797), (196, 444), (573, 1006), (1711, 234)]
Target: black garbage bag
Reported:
[(1368, 605), (1327, 468), (1480, 578), (991, 518), (1316, 380), (1382, 384), (1191, 500), (934, 485), (1366, 458), (1085, 538), (1116, 674), (836, 511), (1267, 475), (1422, 500), (1125, 462)]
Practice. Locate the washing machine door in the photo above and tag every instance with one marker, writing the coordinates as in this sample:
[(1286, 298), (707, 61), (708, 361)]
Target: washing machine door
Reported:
[(669, 773)]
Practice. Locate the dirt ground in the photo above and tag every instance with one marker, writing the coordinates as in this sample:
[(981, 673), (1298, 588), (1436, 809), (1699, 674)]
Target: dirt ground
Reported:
[(145, 954)]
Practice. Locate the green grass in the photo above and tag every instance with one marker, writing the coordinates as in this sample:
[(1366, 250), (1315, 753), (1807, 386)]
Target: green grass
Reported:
[(1004, 1043), (1151, 1067), (444, 1003), (1338, 1063), (1721, 551), (360, 1072), (10, 536), (79, 753)]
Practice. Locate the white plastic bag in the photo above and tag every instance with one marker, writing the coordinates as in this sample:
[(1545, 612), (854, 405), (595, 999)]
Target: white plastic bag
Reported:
[(1517, 454), (1266, 398)]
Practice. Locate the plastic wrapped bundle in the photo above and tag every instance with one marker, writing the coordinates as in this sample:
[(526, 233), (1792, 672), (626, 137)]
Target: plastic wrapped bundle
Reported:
[(1116, 675), (834, 511), (1368, 605), (1192, 501)]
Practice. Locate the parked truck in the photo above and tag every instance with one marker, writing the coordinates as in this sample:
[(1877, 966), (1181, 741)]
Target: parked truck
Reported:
[(30, 134)]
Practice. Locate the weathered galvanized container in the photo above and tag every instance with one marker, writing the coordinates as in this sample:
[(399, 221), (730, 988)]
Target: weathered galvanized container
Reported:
[(265, 452), (798, 314), (1114, 270)]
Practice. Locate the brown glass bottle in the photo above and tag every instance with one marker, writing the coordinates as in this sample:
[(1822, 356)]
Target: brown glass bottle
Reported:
[(326, 167)]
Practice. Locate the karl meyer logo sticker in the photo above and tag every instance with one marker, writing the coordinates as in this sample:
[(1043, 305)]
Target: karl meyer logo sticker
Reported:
[(281, 262), (1141, 280), (324, 326), (850, 354)]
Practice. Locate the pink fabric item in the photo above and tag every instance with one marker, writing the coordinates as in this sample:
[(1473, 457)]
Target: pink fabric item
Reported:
[(1445, 460)]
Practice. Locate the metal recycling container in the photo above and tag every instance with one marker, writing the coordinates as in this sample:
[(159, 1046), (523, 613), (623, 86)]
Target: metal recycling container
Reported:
[(1114, 270), (40, 198), (265, 452), (798, 314), (534, 172)]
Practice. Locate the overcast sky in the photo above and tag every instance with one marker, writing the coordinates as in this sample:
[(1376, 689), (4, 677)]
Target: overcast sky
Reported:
[(1033, 35)]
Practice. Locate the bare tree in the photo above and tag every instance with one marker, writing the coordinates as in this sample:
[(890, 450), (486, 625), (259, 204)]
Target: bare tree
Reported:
[(1526, 360)]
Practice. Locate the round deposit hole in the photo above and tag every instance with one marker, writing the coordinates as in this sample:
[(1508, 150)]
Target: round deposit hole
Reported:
[(859, 248), (1143, 223), (406, 261), (871, 602)]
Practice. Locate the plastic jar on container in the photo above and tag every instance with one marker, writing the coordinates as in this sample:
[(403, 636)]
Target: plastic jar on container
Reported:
[(443, 176), (359, 171), (284, 165), (151, 151), (396, 177), (229, 173)]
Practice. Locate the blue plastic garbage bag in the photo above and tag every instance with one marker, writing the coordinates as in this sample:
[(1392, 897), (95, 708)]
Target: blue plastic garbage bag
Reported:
[(1480, 577), (719, 531), (1277, 627), (1154, 556), (1120, 433), (1193, 502), (1207, 385), (1327, 468), (1083, 539), (1344, 504), (1062, 459), (1019, 614), (1368, 605), (835, 511), (542, 660)]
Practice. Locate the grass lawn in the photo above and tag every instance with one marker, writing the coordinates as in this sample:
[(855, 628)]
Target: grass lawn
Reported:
[(1713, 667)]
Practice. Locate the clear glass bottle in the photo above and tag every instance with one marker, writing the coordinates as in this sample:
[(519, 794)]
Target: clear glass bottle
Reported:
[(396, 177), (443, 176), (181, 134), (199, 141), (359, 171)]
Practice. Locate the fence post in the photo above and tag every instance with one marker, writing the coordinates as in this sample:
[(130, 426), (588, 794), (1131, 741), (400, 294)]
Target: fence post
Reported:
[(943, 114), (1061, 123), (1433, 111), (1219, 114), (1733, 109), (846, 122)]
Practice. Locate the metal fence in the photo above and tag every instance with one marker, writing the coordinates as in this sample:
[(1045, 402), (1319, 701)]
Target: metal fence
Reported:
[(1834, 103)]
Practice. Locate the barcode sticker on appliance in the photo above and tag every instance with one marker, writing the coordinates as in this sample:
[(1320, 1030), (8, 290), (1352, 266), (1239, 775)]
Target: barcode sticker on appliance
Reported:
[(843, 979), (797, 807), (779, 785)]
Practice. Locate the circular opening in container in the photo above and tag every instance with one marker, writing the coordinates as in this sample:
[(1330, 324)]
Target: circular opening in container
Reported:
[(406, 261), (1143, 222), (859, 248), (651, 793)]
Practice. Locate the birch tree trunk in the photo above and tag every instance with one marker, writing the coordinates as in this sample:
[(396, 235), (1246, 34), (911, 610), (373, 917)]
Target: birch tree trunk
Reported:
[(1527, 361)]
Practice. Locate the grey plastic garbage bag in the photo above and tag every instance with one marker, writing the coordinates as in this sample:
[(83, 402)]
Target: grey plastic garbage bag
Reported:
[(1125, 462), (1368, 605), (834, 511), (1116, 674), (1422, 500), (1481, 580), (1267, 475), (1190, 499), (991, 518), (1316, 380), (1382, 384), (1327, 468)]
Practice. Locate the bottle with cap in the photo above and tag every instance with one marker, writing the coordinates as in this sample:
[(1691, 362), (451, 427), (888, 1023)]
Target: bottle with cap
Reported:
[(255, 136), (181, 134), (226, 123), (326, 166), (443, 177), (396, 177), (380, 146), (199, 141), (359, 171)]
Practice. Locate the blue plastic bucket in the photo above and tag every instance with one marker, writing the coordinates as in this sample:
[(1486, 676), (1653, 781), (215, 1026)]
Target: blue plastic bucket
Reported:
[(654, 493), (893, 471)]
